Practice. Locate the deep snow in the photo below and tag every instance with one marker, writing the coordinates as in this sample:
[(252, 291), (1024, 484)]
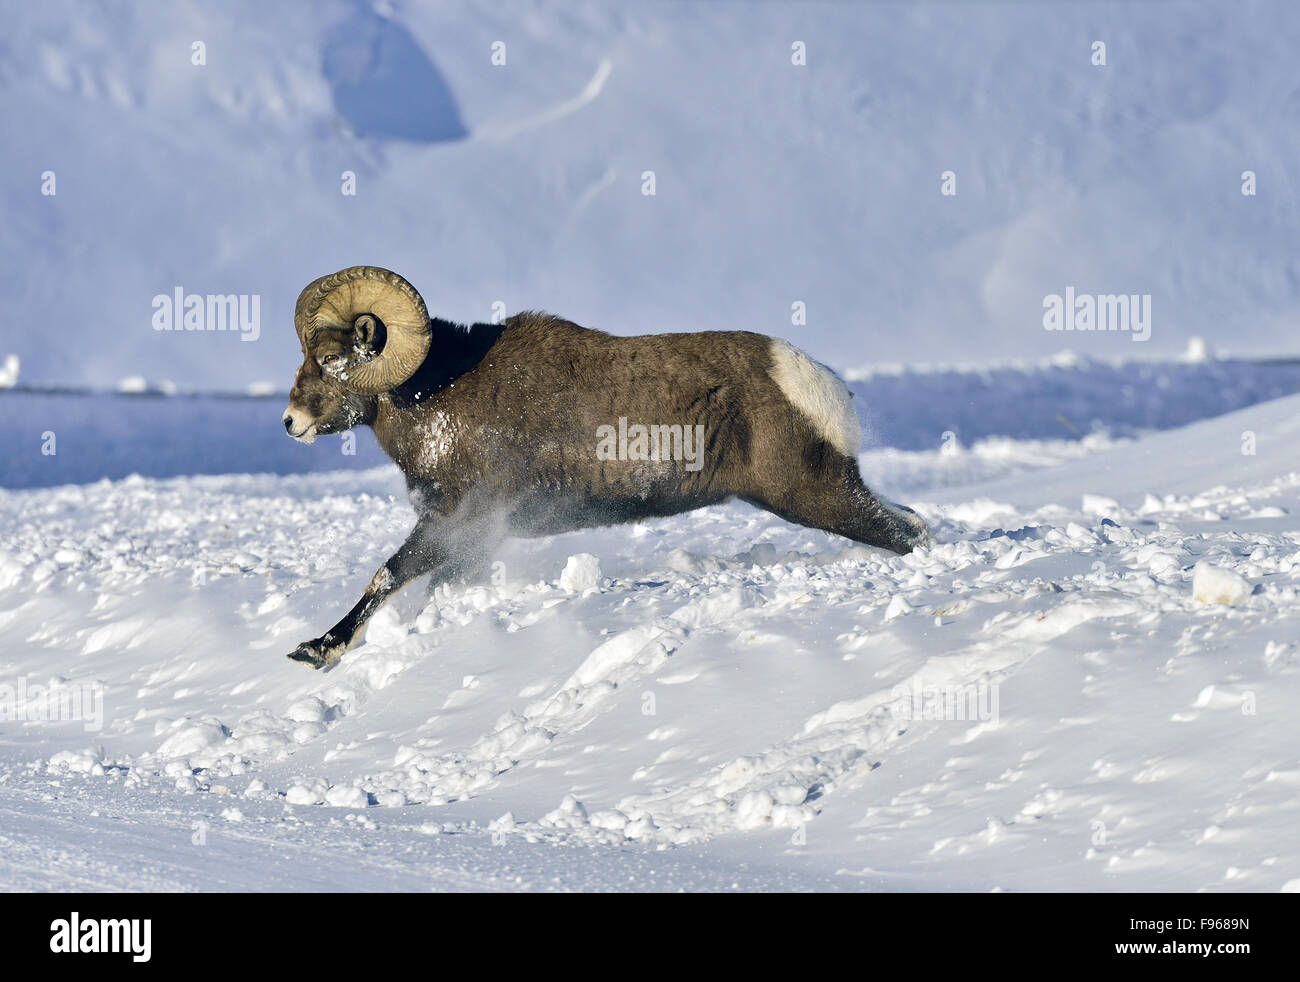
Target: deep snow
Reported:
[(714, 700)]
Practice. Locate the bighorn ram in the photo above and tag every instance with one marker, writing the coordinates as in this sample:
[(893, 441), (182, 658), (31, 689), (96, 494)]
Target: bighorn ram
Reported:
[(536, 426)]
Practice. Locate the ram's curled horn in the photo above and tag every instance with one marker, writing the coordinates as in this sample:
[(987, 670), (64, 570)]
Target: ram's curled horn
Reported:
[(371, 304)]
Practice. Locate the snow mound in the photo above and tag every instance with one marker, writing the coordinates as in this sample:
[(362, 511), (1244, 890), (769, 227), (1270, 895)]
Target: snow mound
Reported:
[(1215, 585)]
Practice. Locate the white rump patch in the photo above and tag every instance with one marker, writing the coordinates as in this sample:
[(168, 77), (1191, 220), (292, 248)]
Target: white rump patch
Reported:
[(819, 394)]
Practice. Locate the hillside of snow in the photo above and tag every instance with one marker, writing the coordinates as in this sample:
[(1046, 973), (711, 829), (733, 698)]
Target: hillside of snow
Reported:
[(522, 183)]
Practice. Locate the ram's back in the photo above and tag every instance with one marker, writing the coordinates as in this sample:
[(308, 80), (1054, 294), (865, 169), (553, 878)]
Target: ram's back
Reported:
[(547, 421)]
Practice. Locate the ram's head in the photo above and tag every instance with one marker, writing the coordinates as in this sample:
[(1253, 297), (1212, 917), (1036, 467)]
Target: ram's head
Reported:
[(364, 331)]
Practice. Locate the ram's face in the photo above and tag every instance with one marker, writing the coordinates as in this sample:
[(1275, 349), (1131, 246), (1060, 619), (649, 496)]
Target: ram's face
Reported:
[(364, 331), (319, 404)]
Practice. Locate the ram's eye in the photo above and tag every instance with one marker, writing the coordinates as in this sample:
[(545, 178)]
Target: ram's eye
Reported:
[(329, 361)]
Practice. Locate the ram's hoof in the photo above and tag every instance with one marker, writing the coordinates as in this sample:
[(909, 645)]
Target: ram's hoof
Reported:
[(304, 653), (316, 654), (916, 533)]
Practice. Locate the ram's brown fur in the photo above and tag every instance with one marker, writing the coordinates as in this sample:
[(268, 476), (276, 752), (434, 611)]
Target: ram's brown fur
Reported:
[(497, 433)]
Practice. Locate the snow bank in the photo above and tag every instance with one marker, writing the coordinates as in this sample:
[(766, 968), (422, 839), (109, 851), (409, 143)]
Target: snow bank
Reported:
[(1215, 585), (1031, 703)]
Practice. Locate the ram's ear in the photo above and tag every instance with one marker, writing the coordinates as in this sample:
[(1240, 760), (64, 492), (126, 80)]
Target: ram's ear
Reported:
[(366, 331)]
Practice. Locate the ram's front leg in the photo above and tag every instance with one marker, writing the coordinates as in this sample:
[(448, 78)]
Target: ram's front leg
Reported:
[(423, 551)]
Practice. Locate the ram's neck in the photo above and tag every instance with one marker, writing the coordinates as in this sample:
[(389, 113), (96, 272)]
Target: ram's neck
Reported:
[(453, 351)]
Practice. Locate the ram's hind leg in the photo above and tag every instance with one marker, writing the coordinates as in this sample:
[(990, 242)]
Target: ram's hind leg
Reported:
[(832, 497)]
